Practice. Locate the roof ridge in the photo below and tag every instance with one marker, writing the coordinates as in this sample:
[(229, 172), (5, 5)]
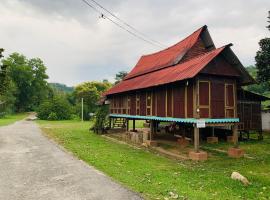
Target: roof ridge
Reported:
[(199, 29), (196, 57), (179, 49)]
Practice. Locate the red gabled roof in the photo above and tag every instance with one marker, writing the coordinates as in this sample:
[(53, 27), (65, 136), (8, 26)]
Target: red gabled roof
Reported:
[(182, 71), (165, 67), (166, 57)]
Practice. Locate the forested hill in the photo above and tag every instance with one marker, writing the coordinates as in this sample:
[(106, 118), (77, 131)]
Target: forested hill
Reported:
[(61, 87)]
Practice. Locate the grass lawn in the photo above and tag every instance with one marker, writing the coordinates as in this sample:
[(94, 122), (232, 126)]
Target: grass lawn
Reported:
[(9, 119), (157, 177)]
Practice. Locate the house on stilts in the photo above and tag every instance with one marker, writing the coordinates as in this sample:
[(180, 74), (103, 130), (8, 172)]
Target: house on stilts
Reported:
[(192, 84)]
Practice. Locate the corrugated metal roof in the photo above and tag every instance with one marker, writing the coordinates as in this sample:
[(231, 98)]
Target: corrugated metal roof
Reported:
[(181, 120), (178, 72), (166, 57)]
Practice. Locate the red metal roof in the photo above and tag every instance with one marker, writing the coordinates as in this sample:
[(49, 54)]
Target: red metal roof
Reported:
[(182, 71), (166, 57)]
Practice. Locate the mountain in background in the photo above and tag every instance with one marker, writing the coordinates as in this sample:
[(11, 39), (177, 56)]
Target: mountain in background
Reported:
[(61, 87)]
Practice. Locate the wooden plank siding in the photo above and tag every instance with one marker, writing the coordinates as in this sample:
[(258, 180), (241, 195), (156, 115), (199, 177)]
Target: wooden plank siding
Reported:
[(216, 99), (179, 101), (204, 98), (161, 101), (169, 102), (189, 102), (143, 104)]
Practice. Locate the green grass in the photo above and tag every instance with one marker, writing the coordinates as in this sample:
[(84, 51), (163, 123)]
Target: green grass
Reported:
[(9, 119), (138, 123), (155, 176)]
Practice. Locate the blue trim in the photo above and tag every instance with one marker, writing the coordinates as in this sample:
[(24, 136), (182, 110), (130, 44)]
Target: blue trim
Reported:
[(171, 119)]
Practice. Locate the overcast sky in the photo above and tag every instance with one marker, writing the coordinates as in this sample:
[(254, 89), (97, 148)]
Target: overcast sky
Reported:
[(77, 45)]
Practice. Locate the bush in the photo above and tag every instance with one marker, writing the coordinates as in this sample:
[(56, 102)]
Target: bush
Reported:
[(57, 108), (52, 116), (101, 121)]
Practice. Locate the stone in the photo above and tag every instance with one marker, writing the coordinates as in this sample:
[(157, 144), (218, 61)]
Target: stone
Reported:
[(183, 142), (239, 177), (151, 143), (212, 140), (145, 135), (235, 152), (230, 139), (146, 125), (199, 156)]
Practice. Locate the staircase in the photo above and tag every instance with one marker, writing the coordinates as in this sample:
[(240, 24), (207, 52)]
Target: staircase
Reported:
[(119, 123)]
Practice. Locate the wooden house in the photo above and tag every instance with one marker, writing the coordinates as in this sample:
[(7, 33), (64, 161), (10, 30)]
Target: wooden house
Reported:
[(192, 83)]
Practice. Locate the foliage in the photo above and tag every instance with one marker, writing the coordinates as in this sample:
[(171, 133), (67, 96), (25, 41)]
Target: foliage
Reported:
[(259, 88), (120, 76), (7, 89), (268, 21), (61, 88), (263, 60), (155, 176), (101, 119), (56, 108), (91, 93), (27, 80)]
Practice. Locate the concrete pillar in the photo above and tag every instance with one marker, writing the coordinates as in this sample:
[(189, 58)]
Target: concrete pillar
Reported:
[(235, 151)]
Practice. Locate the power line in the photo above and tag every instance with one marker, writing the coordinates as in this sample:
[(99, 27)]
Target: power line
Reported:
[(125, 23), (120, 26)]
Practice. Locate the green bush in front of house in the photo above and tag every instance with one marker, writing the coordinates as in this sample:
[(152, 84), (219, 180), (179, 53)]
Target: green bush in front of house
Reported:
[(57, 108)]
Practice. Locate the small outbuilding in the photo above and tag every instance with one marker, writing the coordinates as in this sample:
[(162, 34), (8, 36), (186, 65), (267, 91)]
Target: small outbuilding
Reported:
[(266, 119), (250, 114)]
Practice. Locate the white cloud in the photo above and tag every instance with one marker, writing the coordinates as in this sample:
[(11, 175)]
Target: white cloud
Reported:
[(77, 46)]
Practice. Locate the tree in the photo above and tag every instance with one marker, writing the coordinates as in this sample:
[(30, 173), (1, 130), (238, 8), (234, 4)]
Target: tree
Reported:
[(263, 60), (268, 20), (120, 76), (28, 78), (259, 88), (56, 108), (91, 93), (7, 88)]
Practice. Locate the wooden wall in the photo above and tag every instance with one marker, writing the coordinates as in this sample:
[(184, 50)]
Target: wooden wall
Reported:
[(217, 97)]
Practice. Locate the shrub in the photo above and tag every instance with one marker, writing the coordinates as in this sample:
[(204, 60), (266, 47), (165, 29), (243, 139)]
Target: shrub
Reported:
[(52, 116), (101, 120), (57, 108)]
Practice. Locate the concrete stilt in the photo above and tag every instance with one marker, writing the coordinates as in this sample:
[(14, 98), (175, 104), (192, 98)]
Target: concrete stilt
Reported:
[(235, 151), (196, 154)]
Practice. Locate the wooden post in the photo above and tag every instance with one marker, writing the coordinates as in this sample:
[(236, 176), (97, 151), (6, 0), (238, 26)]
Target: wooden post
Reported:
[(213, 132), (110, 123), (133, 125), (235, 135), (127, 126), (152, 129), (260, 135), (196, 139)]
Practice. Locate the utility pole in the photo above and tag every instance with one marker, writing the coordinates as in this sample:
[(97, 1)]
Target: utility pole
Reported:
[(82, 109)]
